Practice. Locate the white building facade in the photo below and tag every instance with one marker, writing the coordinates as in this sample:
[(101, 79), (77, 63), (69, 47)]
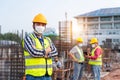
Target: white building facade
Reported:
[(103, 24)]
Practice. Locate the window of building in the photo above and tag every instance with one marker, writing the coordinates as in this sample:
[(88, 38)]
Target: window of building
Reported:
[(100, 33), (116, 18), (92, 19), (106, 26), (109, 18), (92, 26), (84, 27), (95, 33), (116, 25), (110, 33), (89, 33), (114, 32), (81, 20), (86, 33), (116, 40), (104, 33)]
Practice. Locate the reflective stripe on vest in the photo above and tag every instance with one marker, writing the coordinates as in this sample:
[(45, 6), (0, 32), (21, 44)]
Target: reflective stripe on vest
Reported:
[(80, 53), (37, 66), (98, 61)]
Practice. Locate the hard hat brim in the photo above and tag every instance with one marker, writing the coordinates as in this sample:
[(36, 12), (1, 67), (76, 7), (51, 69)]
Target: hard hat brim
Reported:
[(93, 42)]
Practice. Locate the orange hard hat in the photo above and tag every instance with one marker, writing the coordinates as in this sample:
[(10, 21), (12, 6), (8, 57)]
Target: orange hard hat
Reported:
[(40, 18)]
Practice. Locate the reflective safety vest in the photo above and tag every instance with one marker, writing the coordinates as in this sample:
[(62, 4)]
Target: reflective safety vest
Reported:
[(98, 61), (81, 54), (38, 66)]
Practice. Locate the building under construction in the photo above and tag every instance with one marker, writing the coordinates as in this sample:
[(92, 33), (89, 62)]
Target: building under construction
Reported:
[(12, 59), (63, 46)]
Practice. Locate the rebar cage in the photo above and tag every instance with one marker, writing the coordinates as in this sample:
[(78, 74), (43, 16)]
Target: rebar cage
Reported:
[(11, 62)]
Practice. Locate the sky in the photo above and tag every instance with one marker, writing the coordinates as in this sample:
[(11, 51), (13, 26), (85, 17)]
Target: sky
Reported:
[(18, 14)]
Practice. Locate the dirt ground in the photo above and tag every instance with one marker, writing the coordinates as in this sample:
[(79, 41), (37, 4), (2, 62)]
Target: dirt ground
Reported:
[(114, 74)]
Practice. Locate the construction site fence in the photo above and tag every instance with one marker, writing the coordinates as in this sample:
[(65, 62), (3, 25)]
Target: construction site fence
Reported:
[(11, 62)]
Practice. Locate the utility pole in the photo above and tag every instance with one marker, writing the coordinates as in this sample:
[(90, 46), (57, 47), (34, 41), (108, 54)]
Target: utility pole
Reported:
[(0, 29), (66, 26), (66, 16)]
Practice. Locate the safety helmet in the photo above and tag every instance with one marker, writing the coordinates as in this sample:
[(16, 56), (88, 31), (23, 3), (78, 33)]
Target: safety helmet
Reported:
[(40, 18), (93, 40), (79, 39)]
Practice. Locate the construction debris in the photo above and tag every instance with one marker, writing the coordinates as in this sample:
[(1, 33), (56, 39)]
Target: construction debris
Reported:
[(113, 75)]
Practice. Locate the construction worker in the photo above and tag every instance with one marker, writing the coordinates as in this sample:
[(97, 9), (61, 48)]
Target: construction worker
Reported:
[(57, 64), (95, 59), (38, 51), (76, 53)]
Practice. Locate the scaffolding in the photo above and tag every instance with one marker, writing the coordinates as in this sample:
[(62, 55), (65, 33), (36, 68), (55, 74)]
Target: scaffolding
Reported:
[(65, 35), (65, 43)]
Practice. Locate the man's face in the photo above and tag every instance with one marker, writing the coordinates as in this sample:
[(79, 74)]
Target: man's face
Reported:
[(56, 59), (80, 44), (39, 28), (40, 24), (94, 45)]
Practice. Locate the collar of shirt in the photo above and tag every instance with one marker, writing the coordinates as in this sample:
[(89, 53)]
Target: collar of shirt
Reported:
[(41, 41)]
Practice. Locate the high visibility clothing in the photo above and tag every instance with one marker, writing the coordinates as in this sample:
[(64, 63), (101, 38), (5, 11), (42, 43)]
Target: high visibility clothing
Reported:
[(98, 61), (38, 66), (81, 54)]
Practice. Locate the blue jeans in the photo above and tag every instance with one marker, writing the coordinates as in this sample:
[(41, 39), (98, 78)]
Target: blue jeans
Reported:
[(96, 71), (78, 71), (29, 77)]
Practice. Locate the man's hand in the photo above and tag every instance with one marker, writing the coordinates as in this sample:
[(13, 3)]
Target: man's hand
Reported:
[(76, 60), (87, 56), (48, 50), (33, 46)]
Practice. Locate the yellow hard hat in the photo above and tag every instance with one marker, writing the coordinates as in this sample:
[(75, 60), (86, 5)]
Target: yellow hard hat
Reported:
[(93, 40), (79, 39), (40, 18)]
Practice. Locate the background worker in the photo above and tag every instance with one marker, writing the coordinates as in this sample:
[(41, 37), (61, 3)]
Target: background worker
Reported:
[(76, 53), (57, 64), (95, 60), (38, 51)]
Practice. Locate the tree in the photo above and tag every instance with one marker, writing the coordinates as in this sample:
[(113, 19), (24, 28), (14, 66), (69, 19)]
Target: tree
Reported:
[(53, 37), (51, 32), (10, 36), (1, 36)]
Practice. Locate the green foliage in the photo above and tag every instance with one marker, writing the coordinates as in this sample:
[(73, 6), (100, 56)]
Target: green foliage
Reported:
[(10, 36), (1, 36), (53, 37)]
